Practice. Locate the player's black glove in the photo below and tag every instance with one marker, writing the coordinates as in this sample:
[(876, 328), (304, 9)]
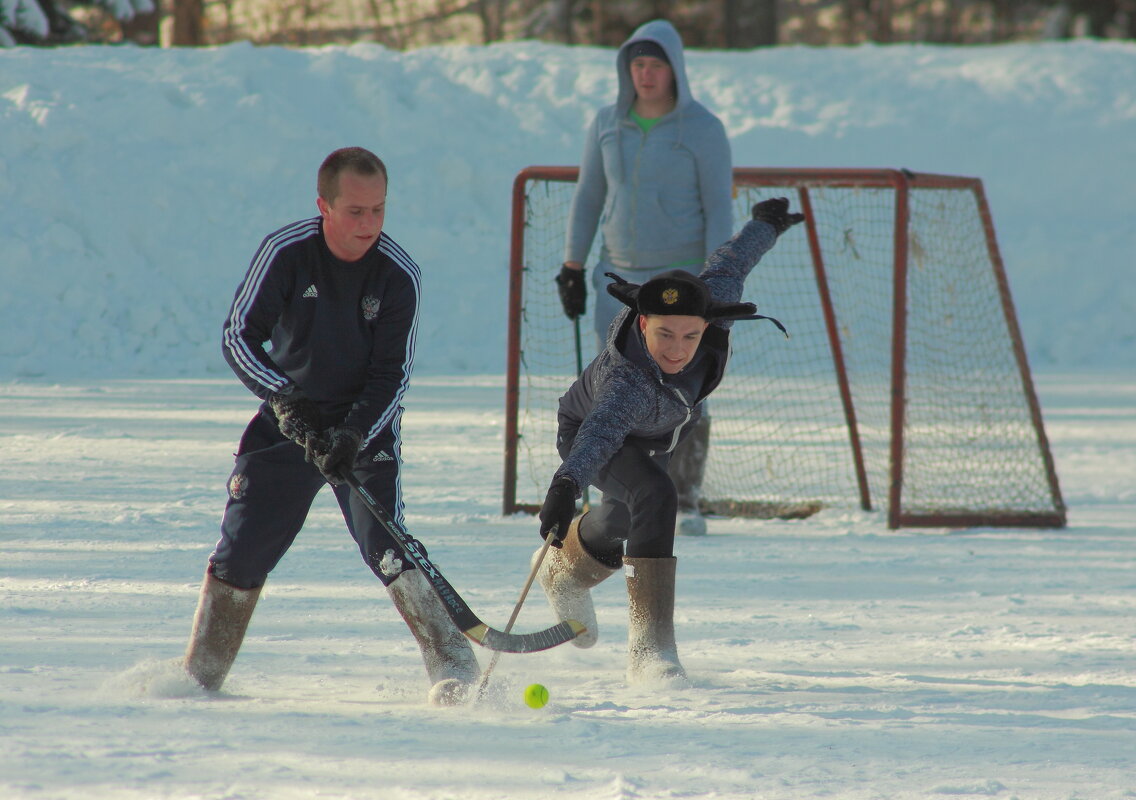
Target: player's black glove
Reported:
[(573, 293), (776, 213), (334, 452), (558, 509), (297, 415)]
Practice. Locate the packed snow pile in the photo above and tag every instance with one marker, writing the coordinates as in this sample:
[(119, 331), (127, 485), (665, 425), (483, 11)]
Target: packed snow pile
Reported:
[(138, 182)]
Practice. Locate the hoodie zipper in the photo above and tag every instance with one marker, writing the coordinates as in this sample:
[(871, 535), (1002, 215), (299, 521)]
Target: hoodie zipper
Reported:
[(681, 425)]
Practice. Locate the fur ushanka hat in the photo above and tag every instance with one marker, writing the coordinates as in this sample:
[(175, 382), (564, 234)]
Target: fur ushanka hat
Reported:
[(678, 293)]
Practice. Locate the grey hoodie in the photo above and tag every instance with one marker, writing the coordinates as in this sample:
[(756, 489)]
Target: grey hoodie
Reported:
[(623, 395), (662, 197)]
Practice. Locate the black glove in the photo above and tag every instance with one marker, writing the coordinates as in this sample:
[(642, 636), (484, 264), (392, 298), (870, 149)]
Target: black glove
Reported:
[(776, 213), (573, 293), (558, 509), (297, 415), (334, 452)]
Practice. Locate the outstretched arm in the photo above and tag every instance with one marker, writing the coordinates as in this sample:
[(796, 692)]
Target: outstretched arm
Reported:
[(728, 267)]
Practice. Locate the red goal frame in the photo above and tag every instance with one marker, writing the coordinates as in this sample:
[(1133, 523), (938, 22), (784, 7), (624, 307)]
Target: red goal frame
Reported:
[(802, 182)]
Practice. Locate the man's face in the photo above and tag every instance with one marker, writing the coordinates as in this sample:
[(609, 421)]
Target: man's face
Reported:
[(652, 78), (672, 340), (353, 221)]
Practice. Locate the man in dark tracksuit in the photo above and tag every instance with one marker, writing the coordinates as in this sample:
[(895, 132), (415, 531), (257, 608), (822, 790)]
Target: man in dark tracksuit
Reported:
[(338, 300), (619, 423)]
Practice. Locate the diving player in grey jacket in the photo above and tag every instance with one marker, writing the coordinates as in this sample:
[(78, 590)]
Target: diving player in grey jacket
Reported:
[(618, 425)]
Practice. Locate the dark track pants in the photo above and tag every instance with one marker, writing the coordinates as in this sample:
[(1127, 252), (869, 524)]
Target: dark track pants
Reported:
[(271, 491), (637, 515)]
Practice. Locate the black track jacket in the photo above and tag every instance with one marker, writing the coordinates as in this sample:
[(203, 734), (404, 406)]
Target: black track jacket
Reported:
[(343, 332)]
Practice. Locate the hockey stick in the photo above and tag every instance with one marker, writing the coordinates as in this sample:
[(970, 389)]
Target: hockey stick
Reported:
[(579, 349), (516, 611), (467, 622)]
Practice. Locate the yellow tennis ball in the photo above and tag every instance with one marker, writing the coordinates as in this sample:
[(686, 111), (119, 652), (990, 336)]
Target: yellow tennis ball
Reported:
[(536, 696)]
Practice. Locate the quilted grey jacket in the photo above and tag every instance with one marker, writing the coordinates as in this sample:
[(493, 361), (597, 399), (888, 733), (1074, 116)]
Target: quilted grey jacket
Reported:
[(659, 198), (624, 396)]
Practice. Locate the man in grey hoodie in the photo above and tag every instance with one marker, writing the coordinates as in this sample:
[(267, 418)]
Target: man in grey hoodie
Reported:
[(656, 178), (618, 425)]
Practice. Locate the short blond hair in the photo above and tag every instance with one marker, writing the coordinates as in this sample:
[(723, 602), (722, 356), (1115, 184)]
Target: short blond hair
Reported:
[(356, 159)]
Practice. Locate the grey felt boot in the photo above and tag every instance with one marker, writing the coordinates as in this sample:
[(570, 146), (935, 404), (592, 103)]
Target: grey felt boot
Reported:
[(567, 576), (652, 655), (223, 614), (450, 663)]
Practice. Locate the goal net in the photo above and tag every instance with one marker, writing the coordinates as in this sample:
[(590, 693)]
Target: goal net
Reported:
[(904, 386)]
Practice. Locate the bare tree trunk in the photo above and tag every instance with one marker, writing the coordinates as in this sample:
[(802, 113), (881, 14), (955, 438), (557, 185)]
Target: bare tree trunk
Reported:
[(493, 14), (189, 23), (879, 26), (853, 20), (1127, 19), (143, 29), (936, 22), (1098, 13), (1001, 20), (750, 23), (567, 8)]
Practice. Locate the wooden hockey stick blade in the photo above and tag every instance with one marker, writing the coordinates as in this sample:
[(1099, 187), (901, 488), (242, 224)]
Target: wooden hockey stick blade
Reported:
[(525, 642), (457, 609)]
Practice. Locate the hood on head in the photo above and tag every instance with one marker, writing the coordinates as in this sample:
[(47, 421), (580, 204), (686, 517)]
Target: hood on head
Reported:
[(663, 34)]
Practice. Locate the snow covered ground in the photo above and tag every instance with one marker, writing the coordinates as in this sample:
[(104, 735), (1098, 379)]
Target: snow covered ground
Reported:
[(830, 657)]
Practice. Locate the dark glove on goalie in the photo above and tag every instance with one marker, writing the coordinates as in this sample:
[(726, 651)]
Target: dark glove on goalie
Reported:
[(558, 509), (297, 415), (573, 293), (334, 452), (776, 213)]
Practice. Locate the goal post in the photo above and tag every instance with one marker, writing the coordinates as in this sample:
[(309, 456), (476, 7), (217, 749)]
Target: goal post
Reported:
[(904, 386)]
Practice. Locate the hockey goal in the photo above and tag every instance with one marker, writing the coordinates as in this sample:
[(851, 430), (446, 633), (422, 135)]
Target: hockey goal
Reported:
[(904, 387)]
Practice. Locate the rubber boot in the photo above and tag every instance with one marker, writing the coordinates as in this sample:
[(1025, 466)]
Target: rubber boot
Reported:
[(652, 655), (567, 576), (687, 468), (223, 614), (450, 663)]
